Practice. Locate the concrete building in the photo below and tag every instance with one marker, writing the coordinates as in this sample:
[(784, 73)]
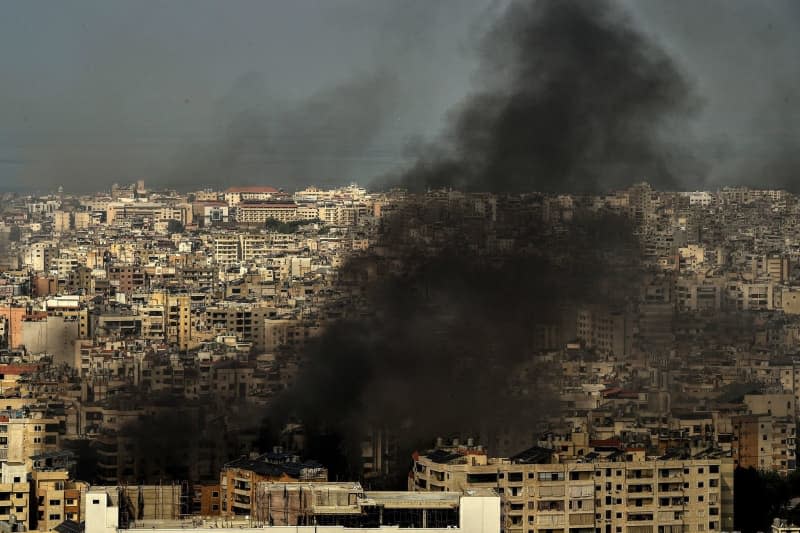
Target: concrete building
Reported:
[(239, 479), (14, 493), (618, 492), (57, 497), (765, 442), (325, 507), (607, 331), (13, 316), (53, 335), (233, 196), (22, 437), (260, 212), (247, 322)]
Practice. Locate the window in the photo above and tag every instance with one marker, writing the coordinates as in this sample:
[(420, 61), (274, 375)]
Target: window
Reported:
[(55, 516), (95, 502), (54, 502)]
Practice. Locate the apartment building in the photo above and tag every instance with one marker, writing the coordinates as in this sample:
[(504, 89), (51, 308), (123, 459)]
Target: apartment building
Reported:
[(226, 250), (176, 316), (246, 322), (126, 278), (233, 196), (606, 330), (14, 493), (260, 212), (765, 442), (22, 436), (57, 498), (239, 479), (610, 492), (150, 211)]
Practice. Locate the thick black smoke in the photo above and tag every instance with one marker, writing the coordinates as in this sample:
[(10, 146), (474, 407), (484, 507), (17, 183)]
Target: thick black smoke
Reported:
[(443, 331), (448, 310), (571, 98)]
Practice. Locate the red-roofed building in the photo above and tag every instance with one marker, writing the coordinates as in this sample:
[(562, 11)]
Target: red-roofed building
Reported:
[(17, 369)]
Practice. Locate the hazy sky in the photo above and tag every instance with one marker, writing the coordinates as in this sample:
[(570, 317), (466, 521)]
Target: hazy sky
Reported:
[(105, 91)]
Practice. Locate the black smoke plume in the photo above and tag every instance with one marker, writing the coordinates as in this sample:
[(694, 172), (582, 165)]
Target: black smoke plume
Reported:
[(571, 98), (448, 308), (443, 329)]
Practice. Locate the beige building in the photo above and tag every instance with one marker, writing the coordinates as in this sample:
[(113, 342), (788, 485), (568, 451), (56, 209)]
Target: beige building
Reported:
[(260, 212), (22, 437), (240, 479), (57, 498), (14, 493), (625, 492), (61, 221), (246, 322), (606, 330), (765, 442)]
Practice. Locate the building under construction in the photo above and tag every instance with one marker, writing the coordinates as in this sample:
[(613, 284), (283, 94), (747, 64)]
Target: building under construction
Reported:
[(138, 503), (347, 504)]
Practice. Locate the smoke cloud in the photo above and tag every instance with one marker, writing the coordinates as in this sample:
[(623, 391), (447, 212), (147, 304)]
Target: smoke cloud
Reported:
[(448, 310), (572, 97)]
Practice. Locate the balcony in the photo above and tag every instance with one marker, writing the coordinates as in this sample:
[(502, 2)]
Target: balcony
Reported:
[(581, 518)]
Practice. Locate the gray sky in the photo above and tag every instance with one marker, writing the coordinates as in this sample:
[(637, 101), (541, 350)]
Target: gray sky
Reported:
[(95, 92)]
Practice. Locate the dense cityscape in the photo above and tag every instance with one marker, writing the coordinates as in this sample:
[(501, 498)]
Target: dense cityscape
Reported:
[(476, 266), (157, 346)]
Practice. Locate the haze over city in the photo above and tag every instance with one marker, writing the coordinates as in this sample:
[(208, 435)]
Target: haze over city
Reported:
[(518, 266), (326, 93)]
